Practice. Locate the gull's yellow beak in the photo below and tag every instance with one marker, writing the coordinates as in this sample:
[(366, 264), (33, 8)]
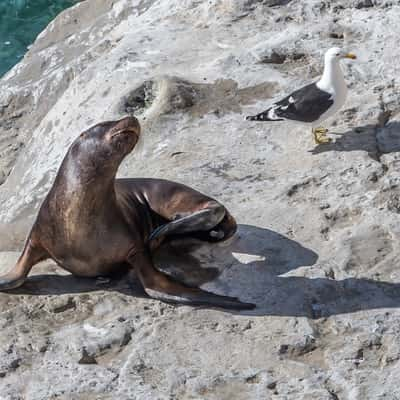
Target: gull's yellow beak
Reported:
[(350, 55)]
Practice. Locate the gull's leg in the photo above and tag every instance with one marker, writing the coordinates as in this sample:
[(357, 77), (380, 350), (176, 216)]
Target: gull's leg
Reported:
[(320, 135)]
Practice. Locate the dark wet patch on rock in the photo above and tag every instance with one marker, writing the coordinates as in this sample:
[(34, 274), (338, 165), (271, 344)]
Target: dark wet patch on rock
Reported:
[(140, 98), (87, 358), (280, 56), (169, 95)]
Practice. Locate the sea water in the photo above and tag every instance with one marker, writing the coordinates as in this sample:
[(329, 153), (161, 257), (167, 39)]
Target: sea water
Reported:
[(20, 23)]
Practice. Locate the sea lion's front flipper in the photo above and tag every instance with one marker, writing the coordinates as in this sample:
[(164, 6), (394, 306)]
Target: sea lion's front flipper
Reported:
[(31, 255), (201, 220), (162, 287)]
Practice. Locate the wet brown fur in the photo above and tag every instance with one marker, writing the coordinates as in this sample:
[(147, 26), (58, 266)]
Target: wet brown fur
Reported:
[(91, 223)]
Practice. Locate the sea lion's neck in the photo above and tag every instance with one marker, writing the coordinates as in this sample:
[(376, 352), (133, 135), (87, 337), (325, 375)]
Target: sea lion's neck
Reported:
[(86, 185)]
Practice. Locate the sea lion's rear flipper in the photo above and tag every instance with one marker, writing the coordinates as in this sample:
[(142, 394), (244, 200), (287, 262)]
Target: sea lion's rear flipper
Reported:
[(162, 287), (31, 255), (207, 219), (198, 297)]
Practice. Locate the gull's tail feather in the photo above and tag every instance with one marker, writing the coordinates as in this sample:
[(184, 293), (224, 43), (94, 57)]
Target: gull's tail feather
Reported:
[(267, 115)]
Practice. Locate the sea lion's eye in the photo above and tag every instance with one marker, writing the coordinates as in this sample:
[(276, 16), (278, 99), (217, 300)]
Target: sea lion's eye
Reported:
[(118, 141)]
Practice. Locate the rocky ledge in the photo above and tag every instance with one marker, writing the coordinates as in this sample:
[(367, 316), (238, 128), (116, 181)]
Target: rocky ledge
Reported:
[(317, 247)]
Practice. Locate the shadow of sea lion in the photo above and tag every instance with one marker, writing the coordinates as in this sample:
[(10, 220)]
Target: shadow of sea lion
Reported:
[(252, 268)]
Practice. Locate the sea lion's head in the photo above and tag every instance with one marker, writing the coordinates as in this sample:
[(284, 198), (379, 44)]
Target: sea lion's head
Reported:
[(103, 146)]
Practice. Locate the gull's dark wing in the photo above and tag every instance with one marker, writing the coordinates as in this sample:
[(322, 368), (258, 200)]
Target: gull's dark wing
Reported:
[(306, 104)]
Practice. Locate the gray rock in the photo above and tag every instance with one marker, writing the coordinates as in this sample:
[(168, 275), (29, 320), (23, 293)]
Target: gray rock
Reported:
[(316, 248)]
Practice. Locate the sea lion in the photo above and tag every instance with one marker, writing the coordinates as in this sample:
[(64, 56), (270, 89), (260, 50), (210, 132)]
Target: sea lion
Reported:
[(92, 224)]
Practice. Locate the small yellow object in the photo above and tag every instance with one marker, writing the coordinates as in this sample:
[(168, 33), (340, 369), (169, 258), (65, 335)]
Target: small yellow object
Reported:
[(351, 56), (320, 136)]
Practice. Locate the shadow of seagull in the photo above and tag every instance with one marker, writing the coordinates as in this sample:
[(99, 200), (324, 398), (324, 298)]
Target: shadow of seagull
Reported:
[(361, 138), (373, 139)]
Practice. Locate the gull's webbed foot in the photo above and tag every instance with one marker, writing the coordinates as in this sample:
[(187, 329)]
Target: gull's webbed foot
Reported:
[(320, 136)]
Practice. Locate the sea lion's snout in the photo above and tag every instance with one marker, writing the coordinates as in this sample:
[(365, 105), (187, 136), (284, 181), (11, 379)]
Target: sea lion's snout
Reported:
[(127, 125)]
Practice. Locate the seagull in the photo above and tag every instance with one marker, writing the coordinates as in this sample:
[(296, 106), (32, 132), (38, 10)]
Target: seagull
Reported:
[(313, 103)]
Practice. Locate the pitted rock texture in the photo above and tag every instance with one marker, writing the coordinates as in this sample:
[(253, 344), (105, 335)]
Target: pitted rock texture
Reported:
[(317, 246)]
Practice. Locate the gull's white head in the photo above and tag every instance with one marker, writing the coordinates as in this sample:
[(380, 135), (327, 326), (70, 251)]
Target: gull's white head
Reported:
[(336, 54)]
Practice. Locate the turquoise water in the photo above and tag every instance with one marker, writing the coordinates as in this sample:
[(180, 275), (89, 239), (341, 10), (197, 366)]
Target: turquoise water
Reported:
[(20, 22)]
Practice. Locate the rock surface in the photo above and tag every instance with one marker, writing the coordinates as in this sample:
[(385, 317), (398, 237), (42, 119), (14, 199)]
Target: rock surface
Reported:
[(317, 247)]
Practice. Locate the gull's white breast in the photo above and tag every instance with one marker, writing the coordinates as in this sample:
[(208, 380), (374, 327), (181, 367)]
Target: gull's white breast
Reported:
[(336, 86)]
